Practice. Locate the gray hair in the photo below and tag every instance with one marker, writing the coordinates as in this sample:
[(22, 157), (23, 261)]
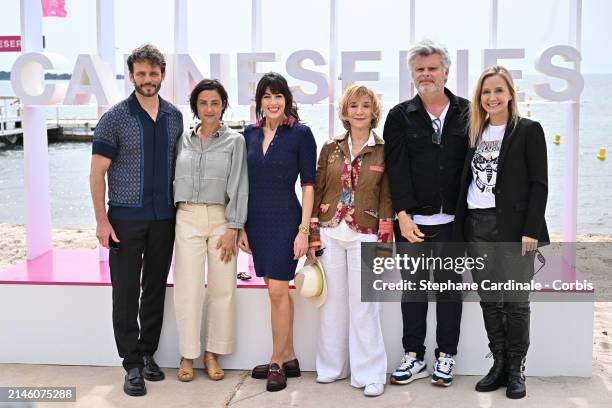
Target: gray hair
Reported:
[(427, 47)]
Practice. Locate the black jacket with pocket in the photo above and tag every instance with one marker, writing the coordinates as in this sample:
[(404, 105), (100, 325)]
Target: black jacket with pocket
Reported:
[(424, 177)]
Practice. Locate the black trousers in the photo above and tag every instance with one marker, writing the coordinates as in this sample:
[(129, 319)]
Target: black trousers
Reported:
[(139, 271), (506, 313), (449, 304)]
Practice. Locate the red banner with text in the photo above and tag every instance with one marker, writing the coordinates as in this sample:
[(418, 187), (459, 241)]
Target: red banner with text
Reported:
[(10, 43)]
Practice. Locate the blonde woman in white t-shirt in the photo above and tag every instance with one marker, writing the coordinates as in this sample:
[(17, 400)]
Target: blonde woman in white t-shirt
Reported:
[(503, 200)]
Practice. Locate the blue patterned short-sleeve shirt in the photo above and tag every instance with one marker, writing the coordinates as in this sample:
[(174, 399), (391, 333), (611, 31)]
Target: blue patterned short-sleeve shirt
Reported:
[(142, 159)]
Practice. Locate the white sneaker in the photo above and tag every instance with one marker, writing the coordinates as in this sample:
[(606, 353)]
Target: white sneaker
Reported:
[(374, 390), (325, 380), (443, 370), (410, 369)]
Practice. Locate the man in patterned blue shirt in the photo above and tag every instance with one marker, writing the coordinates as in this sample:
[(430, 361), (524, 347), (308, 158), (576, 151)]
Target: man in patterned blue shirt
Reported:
[(134, 146)]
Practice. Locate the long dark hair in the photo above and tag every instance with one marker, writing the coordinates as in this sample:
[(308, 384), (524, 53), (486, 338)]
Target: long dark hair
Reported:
[(277, 85)]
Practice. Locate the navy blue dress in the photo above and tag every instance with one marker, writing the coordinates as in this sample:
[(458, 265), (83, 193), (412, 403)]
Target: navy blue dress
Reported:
[(274, 209)]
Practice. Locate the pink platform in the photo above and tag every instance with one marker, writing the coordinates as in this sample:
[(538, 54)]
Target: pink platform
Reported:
[(81, 267)]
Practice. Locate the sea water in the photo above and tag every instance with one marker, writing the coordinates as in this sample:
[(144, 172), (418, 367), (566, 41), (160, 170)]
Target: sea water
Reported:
[(69, 162)]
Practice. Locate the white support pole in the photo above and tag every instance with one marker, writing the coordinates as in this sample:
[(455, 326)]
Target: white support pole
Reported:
[(105, 30), (411, 89), (256, 43), (572, 126), (181, 46), (412, 21), (35, 146), (180, 27), (493, 19), (105, 39), (333, 65), (256, 25), (31, 26)]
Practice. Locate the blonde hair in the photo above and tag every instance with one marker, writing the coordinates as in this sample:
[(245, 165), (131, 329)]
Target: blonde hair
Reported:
[(352, 93), (478, 116)]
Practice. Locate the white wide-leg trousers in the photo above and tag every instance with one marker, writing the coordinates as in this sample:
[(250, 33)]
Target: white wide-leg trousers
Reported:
[(350, 336)]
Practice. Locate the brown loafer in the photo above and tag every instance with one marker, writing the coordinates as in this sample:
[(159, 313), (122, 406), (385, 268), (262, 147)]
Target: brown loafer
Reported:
[(292, 370), (276, 378)]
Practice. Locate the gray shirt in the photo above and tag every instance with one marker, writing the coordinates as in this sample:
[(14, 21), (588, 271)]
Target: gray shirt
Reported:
[(214, 173)]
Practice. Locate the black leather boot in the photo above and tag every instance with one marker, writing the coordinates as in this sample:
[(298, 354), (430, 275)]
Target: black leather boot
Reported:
[(497, 376), (516, 387), (494, 321), (517, 344)]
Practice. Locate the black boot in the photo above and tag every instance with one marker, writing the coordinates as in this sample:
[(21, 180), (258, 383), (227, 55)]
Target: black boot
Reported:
[(516, 388), (517, 344), (494, 321), (497, 376)]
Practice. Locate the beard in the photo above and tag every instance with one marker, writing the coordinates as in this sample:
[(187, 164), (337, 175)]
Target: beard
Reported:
[(428, 88), (141, 89)]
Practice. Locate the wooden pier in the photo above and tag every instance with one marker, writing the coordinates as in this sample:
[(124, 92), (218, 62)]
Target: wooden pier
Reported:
[(58, 130), (62, 130)]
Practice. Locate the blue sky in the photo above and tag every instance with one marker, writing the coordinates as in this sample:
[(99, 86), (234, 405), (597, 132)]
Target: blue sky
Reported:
[(216, 26)]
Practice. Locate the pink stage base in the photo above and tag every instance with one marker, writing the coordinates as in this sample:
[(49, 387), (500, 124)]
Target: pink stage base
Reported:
[(81, 267), (61, 279)]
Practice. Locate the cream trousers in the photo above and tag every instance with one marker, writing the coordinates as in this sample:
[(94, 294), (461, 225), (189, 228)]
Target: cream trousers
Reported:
[(198, 229)]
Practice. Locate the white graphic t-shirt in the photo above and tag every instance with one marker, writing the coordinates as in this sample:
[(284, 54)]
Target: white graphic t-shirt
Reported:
[(484, 168)]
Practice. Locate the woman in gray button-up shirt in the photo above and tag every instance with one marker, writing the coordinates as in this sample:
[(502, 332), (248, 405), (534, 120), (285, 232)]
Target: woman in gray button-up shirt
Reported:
[(211, 193)]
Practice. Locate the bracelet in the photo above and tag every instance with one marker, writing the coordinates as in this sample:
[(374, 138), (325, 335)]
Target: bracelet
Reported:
[(304, 230)]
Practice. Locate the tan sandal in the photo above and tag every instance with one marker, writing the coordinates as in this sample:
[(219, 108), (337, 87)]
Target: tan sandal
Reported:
[(185, 374), (214, 373)]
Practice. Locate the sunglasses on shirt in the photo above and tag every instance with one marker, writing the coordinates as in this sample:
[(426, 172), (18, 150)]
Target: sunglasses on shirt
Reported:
[(436, 137)]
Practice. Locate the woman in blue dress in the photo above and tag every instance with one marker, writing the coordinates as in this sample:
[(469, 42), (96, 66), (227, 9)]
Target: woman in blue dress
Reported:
[(276, 232)]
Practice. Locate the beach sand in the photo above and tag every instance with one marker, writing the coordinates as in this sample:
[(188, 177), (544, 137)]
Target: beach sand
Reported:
[(13, 241), (596, 264)]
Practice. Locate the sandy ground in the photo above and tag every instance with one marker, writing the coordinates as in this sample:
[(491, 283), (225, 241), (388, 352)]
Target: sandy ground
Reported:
[(596, 264), (13, 241)]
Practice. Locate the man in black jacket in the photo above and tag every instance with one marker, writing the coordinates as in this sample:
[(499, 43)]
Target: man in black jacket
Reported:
[(425, 146)]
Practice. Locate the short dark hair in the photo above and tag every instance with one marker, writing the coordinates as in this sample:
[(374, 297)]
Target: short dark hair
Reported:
[(149, 53), (277, 85), (208, 85)]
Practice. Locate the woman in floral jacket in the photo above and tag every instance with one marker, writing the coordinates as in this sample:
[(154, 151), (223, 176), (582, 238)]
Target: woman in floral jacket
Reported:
[(352, 205)]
